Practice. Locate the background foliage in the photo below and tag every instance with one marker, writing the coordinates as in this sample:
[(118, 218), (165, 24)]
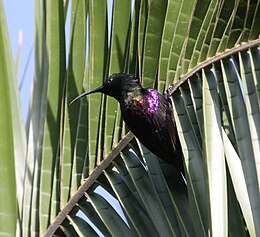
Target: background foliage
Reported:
[(209, 49)]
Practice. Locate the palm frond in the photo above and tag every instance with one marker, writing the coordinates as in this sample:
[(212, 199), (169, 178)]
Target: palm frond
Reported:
[(215, 171), (205, 54), (9, 101), (167, 49)]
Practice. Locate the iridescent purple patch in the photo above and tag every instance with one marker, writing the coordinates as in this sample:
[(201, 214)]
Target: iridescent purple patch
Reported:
[(152, 101)]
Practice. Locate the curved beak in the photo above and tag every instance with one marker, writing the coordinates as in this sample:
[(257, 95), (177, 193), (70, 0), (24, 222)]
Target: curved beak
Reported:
[(99, 89)]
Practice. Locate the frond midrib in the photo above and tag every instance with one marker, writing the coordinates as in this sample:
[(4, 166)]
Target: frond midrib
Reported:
[(220, 56)]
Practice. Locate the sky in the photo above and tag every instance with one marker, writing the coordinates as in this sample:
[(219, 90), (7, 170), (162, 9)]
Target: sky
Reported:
[(20, 21)]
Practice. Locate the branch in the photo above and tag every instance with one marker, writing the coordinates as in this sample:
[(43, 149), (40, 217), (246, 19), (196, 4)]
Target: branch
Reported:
[(88, 183)]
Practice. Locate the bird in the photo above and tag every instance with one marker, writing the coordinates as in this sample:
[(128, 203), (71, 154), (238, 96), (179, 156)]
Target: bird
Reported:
[(147, 113)]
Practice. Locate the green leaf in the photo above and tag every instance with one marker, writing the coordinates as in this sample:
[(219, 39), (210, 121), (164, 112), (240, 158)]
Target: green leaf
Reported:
[(238, 24), (152, 42), (255, 62), (8, 201), (186, 93), (36, 126), (68, 229), (224, 15), (90, 212), (254, 31), (136, 214), (98, 46), (238, 180), (119, 46), (183, 19), (215, 161), (193, 165), (18, 128), (55, 46), (170, 25), (252, 105), (230, 23), (216, 110), (242, 134), (172, 192), (109, 216), (199, 21), (148, 194), (201, 41), (75, 74), (81, 226)]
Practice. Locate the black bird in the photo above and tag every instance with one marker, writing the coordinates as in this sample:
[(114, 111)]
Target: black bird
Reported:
[(148, 115)]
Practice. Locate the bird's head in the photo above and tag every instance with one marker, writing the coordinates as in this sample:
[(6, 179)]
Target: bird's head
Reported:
[(115, 85)]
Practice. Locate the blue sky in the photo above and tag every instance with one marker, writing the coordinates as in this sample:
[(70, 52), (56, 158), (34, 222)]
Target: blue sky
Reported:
[(20, 18)]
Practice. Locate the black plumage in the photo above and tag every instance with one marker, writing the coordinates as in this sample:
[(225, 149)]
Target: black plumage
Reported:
[(148, 115)]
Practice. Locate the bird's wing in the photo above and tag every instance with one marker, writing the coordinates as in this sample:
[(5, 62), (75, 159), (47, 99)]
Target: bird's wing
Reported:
[(157, 132), (164, 126)]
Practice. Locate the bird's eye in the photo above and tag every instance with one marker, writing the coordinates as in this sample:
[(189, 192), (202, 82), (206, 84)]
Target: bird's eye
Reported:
[(109, 80)]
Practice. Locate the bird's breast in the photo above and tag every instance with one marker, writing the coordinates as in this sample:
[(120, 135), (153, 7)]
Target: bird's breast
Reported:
[(143, 105)]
